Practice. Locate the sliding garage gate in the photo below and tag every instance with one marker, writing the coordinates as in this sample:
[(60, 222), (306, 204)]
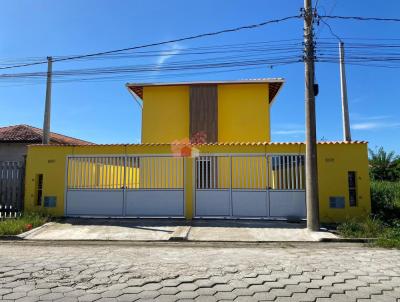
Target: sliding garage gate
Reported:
[(250, 186), (125, 186)]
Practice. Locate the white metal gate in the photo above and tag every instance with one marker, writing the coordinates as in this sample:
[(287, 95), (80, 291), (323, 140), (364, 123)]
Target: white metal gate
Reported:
[(250, 186), (132, 186)]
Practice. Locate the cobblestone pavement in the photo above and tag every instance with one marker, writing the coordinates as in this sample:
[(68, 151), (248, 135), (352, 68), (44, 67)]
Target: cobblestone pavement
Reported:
[(192, 273)]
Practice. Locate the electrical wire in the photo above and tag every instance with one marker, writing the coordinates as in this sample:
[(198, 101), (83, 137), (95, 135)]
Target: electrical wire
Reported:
[(359, 18), (252, 26)]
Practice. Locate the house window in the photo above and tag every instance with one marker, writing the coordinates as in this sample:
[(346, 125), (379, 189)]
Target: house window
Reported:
[(352, 188), (39, 189)]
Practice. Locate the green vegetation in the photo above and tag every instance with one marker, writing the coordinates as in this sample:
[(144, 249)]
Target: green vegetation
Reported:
[(385, 199), (384, 166), (387, 234), (384, 222), (361, 228), (11, 226)]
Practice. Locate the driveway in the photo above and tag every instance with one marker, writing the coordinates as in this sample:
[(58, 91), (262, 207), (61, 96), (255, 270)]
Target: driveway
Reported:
[(163, 230), (30, 271)]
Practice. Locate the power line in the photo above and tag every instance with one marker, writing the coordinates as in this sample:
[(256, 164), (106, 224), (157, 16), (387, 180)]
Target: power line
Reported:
[(366, 54), (162, 43), (358, 18), (210, 63), (330, 29)]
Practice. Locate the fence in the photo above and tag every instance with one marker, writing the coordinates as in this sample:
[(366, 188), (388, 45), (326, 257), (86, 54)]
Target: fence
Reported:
[(124, 172), (11, 188), (250, 185), (273, 172), (130, 186)]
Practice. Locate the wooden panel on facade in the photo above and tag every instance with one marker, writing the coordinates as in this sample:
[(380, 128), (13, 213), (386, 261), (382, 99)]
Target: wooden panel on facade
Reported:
[(204, 113)]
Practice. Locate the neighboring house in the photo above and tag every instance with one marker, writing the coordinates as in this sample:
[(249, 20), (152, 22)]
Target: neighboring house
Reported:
[(15, 139), (206, 151)]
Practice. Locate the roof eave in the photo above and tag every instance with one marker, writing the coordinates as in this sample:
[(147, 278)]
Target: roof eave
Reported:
[(249, 81), (279, 90)]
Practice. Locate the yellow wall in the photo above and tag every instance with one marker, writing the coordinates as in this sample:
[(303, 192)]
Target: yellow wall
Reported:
[(243, 113), (165, 114), (334, 161), (51, 162)]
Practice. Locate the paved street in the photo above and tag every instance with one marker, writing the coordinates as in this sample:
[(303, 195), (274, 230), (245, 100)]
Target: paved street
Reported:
[(188, 272)]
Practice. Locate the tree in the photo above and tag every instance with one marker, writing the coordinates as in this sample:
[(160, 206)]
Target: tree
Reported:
[(384, 165)]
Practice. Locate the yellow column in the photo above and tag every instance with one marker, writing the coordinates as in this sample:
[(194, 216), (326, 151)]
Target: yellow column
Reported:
[(189, 189)]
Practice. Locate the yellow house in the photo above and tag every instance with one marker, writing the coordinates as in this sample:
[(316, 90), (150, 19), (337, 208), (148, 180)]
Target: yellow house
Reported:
[(206, 152)]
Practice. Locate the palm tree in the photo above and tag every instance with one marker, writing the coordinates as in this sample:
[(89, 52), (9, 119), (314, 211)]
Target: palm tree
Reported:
[(384, 165)]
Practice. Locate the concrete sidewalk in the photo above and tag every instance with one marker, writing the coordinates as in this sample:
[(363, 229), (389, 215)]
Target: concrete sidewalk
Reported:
[(164, 230)]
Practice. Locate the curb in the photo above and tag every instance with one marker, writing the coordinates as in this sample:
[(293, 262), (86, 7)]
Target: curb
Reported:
[(180, 234), (183, 244), (22, 236), (35, 230), (10, 237), (349, 240)]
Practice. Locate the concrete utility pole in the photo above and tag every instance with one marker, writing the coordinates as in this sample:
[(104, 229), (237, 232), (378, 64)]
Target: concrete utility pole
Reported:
[(345, 106), (47, 107), (311, 137)]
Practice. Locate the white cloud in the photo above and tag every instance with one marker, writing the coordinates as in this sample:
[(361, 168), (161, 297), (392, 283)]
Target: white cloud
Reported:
[(288, 132), (363, 122), (361, 117), (175, 49), (374, 125)]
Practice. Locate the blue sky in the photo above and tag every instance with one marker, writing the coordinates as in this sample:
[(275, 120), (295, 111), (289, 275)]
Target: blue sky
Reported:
[(104, 112)]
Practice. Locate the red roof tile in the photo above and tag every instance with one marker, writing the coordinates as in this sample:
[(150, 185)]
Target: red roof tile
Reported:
[(232, 144), (33, 135)]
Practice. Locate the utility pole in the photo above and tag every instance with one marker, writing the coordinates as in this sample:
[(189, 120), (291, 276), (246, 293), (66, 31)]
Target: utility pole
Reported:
[(345, 106), (311, 137), (47, 107)]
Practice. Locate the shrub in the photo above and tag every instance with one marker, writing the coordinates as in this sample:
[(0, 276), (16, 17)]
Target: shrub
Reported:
[(385, 199), (384, 165), (27, 221)]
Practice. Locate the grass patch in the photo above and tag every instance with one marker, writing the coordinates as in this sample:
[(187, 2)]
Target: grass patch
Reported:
[(387, 234), (11, 226), (390, 238), (384, 222), (367, 228)]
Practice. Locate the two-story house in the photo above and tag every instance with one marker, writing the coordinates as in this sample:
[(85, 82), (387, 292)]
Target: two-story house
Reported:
[(206, 152)]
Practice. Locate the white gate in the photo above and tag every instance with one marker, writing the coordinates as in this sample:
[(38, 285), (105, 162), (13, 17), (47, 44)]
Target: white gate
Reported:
[(250, 186), (131, 186)]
